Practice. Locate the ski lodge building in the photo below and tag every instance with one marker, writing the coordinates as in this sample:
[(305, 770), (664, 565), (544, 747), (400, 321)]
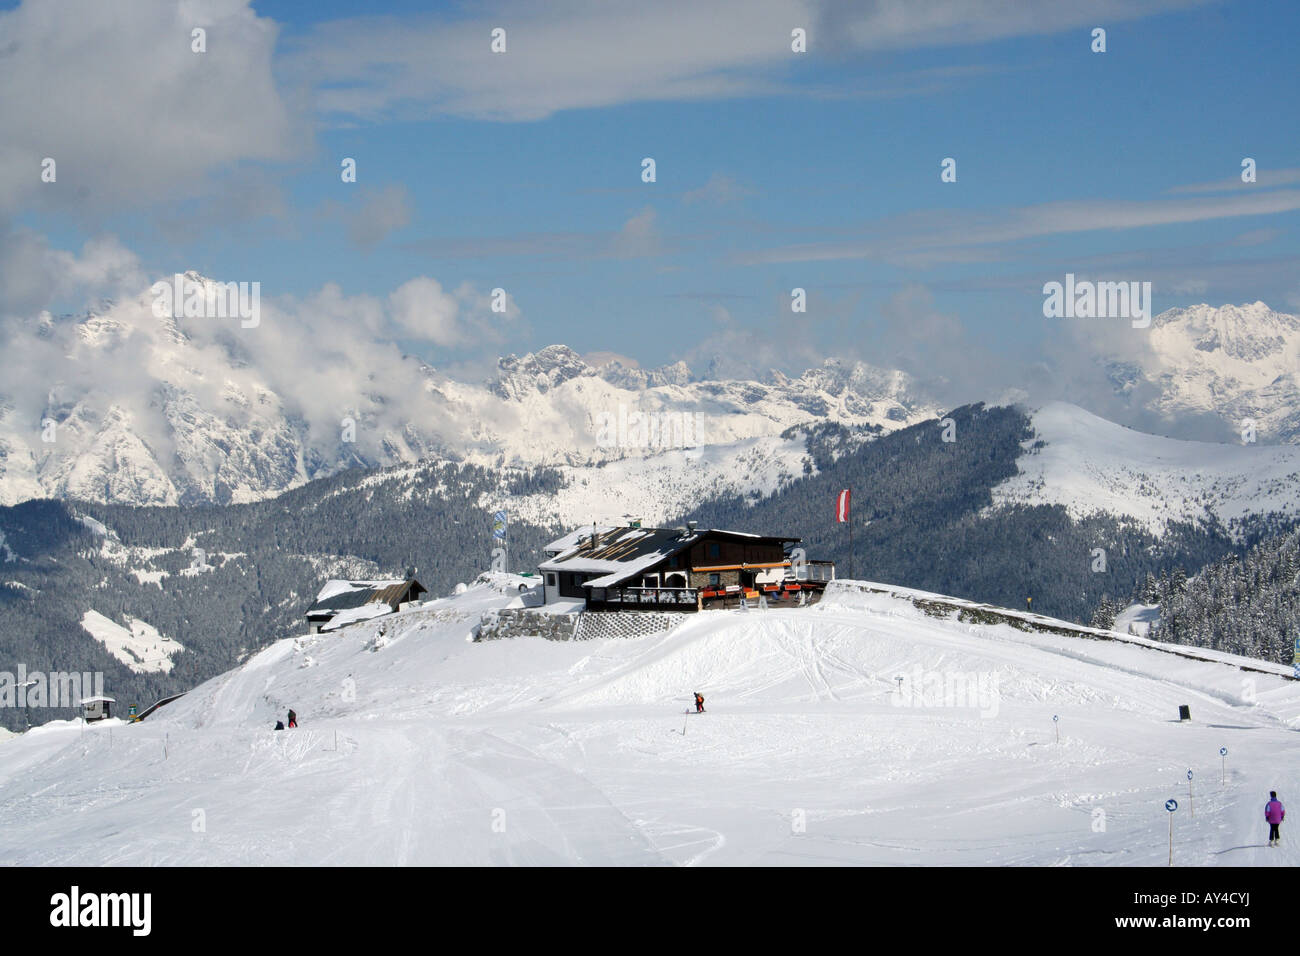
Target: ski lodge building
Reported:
[(340, 603), (678, 569)]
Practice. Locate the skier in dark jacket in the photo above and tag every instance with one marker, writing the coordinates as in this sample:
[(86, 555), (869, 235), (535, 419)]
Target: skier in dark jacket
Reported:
[(699, 702), (1274, 813), (293, 719), (279, 725)]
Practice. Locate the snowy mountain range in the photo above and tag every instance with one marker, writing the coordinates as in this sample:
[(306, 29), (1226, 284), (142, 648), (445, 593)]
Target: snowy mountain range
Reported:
[(1236, 365), (122, 406)]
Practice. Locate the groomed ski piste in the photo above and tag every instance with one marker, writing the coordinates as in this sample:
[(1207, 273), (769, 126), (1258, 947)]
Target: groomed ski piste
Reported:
[(417, 745)]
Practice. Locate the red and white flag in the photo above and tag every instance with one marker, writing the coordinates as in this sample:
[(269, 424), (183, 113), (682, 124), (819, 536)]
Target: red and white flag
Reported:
[(842, 506)]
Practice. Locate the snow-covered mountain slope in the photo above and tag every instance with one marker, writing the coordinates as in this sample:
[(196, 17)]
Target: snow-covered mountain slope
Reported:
[(1237, 363), (125, 406), (417, 746), (660, 488), (1089, 464), (140, 646)]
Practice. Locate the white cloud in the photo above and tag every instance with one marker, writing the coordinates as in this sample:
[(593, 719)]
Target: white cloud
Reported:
[(376, 214), (719, 190), (907, 24), (33, 274), (582, 54), (1265, 177), (314, 359), (639, 236), (114, 94), (937, 237), (421, 310)]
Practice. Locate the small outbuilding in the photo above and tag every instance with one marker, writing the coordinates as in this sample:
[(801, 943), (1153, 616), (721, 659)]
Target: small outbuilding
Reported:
[(340, 603), (97, 708)]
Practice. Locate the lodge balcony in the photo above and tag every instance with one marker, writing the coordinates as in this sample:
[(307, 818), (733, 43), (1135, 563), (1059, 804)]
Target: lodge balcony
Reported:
[(643, 599), (801, 584)]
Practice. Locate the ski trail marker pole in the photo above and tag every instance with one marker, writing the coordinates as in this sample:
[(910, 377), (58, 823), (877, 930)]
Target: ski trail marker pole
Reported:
[(1223, 756), (1171, 805), (1190, 804), (1056, 722)]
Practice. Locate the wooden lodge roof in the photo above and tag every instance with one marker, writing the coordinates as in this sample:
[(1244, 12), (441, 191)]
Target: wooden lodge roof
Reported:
[(617, 554)]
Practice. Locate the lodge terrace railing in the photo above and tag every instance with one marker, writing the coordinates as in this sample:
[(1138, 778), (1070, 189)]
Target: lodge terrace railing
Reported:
[(673, 599), (813, 572), (803, 583)]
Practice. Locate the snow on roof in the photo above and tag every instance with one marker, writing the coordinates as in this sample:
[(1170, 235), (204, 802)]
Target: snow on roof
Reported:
[(576, 537), (337, 586), (623, 573), (617, 548), (97, 699)]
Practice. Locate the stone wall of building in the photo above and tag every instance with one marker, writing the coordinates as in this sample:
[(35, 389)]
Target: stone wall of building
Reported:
[(524, 622), (700, 579)]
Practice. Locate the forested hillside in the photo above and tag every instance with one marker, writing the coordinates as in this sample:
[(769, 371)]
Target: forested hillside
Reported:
[(923, 517), (227, 580), (1246, 605)]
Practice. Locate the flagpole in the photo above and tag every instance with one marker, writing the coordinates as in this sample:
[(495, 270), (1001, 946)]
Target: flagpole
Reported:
[(844, 512)]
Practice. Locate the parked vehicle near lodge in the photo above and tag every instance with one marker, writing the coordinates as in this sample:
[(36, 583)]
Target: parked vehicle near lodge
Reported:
[(681, 569)]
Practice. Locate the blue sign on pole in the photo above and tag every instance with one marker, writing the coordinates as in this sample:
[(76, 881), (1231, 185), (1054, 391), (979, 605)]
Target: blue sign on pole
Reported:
[(499, 525), (1223, 751), (1171, 805)]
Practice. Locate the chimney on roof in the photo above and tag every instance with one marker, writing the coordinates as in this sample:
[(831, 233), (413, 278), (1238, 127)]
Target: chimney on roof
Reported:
[(410, 572), (690, 526)]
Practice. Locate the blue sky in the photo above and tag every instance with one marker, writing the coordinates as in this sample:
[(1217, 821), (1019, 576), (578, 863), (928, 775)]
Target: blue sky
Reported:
[(774, 170)]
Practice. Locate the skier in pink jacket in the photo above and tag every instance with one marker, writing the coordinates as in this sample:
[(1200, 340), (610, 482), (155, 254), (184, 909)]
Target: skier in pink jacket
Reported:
[(1274, 813)]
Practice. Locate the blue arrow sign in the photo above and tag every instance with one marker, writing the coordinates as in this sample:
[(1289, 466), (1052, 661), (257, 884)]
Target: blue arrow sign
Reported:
[(1223, 751), (1171, 805), (1189, 775)]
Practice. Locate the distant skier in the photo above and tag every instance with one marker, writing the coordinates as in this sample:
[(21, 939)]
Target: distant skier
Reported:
[(293, 719), (699, 702), (1274, 813), (279, 725)]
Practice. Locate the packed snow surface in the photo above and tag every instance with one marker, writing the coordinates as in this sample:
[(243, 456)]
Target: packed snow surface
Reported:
[(418, 746)]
